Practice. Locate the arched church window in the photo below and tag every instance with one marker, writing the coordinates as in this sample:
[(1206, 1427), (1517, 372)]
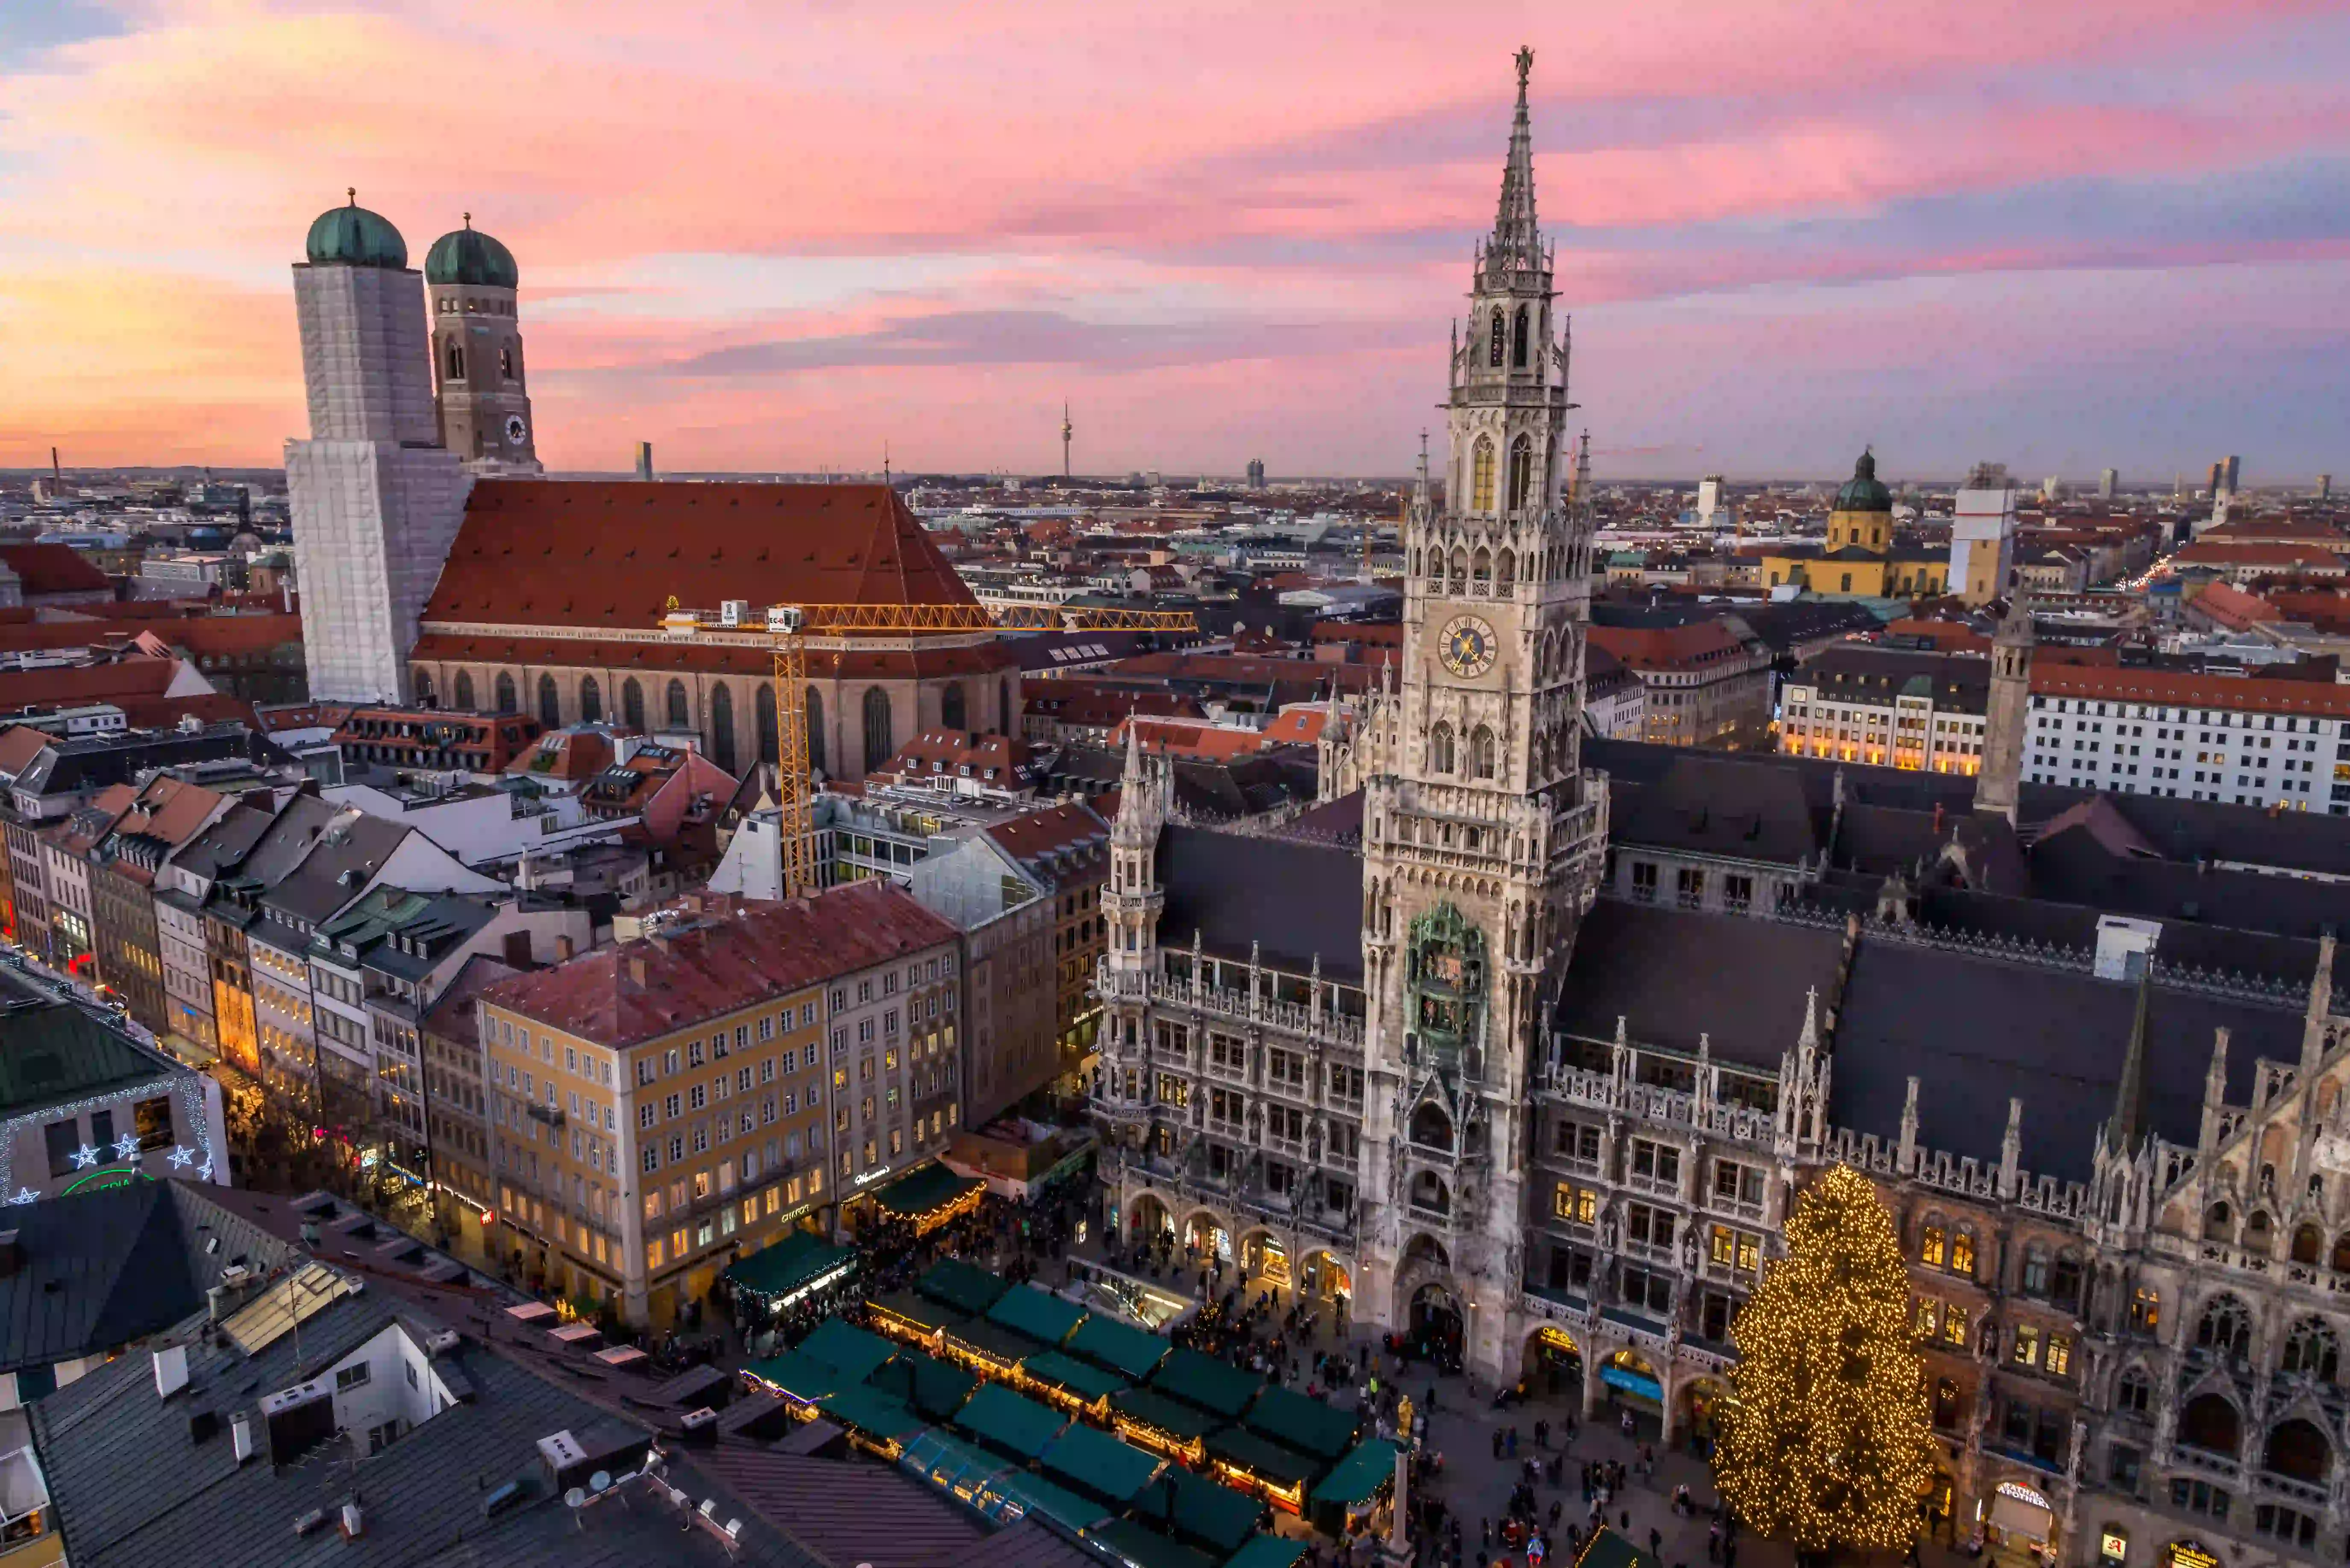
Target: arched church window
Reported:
[(633, 703), (1480, 570), (456, 361), (421, 678), (722, 726), (1518, 342), (507, 702), (1522, 472), (1482, 752), (507, 362), (680, 716), (951, 706), (1480, 473), (1440, 748), (465, 689), (592, 701), (1500, 339), (815, 729), (765, 703), (879, 738), (550, 704), (1459, 570), (1505, 571)]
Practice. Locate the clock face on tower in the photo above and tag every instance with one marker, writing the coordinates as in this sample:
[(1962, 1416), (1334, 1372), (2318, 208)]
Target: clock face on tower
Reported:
[(1466, 647), (516, 430)]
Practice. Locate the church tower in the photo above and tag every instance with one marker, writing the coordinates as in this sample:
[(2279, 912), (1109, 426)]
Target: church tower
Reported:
[(2007, 711), (1482, 836), (376, 498), (479, 389)]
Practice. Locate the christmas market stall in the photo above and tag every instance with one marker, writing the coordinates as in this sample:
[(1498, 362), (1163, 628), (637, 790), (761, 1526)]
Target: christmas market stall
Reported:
[(1037, 1313), (1605, 1549), (989, 1348), (778, 1277), (1132, 1353), (1205, 1383), (1129, 1544), (1280, 1475), (1078, 1387), (1345, 1498), (1019, 1428), (1164, 1425), (1307, 1425), (911, 1317), (1200, 1513), (1269, 1552), (1098, 1466), (929, 1197), (874, 1422), (960, 1286), (935, 1389)]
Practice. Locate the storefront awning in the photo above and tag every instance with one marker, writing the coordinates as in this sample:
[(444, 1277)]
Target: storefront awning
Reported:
[(781, 1274), (1262, 1457), (1360, 1476), (926, 1192), (2013, 1516), (1071, 1376)]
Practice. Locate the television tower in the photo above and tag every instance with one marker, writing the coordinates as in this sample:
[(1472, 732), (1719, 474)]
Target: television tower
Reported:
[(1068, 430)]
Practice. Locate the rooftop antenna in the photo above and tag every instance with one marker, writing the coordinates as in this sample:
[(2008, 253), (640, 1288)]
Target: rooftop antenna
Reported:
[(1068, 430), (885, 459)]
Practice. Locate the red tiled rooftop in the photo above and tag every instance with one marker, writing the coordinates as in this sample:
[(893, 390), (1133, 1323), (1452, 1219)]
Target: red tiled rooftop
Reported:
[(1038, 833), (750, 952), (2183, 689), (54, 569)]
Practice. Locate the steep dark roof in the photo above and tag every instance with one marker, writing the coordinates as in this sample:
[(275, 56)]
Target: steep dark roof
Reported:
[(2053, 1038), (1711, 804), (1672, 975), (52, 1050), (1296, 898)]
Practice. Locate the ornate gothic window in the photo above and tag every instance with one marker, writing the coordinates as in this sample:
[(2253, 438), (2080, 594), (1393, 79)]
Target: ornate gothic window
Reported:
[(633, 703), (1481, 474), (815, 729), (2225, 1329), (880, 737), (1440, 748), (456, 359), (765, 702), (2311, 1350), (421, 678), (465, 689), (507, 702), (591, 699), (1482, 752), (550, 704), (505, 362), (1500, 339), (680, 716), (722, 726), (1522, 472), (1518, 342)]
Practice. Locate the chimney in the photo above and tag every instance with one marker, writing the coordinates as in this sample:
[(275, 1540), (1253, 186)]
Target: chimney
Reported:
[(564, 949), (352, 1523), (517, 949), (644, 460), (240, 1435), (171, 1370)]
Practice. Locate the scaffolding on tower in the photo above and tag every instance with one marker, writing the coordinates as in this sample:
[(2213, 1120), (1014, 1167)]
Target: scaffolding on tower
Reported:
[(786, 628)]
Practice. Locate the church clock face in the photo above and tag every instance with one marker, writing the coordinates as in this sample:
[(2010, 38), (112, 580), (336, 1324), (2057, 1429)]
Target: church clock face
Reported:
[(1466, 647), (516, 430)]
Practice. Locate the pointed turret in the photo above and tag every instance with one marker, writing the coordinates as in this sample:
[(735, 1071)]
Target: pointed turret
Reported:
[(1517, 242), (2127, 1129)]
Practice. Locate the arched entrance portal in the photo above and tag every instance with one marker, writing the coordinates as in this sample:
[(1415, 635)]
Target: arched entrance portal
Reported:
[(1148, 1220), (1554, 1365), (1205, 1240), (1322, 1276), (1435, 1322), (1264, 1261), (1633, 1385)]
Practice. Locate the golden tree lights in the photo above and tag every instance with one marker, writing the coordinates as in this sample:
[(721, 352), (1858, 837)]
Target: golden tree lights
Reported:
[(1826, 1443)]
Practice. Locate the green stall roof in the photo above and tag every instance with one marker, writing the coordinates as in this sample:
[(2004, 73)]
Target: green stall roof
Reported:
[(1121, 1347), (917, 1194), (1073, 1376), (1269, 1552), (875, 1414), (855, 1353), (1100, 1465), (1185, 1503), (1302, 1422), (917, 1309), (1262, 1456), (789, 1265), (801, 1376), (1008, 1422), (1216, 1386), (994, 1341), (935, 1388), (1172, 1417), (1609, 1549), (1360, 1475), (1038, 1314), (965, 1287), (1140, 1547), (1035, 1494), (946, 1460)]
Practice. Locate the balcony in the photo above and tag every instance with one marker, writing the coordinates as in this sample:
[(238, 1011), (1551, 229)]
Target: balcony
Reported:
[(1288, 1017), (1655, 1185), (2206, 1462)]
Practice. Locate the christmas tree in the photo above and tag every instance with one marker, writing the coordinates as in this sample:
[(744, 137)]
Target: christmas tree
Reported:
[(1826, 1443)]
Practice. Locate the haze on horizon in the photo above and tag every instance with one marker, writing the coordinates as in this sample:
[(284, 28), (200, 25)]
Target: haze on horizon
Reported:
[(2060, 236)]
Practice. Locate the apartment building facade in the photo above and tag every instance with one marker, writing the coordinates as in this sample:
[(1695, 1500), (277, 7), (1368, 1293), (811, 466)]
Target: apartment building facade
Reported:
[(1896, 708), (2283, 745)]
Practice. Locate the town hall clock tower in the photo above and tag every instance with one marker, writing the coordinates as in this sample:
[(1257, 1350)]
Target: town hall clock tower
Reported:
[(1482, 836)]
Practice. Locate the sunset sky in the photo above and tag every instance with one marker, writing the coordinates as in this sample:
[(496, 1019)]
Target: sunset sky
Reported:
[(765, 235)]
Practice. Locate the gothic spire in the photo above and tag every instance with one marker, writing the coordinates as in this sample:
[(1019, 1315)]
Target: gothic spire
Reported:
[(1517, 242), (2127, 1130)]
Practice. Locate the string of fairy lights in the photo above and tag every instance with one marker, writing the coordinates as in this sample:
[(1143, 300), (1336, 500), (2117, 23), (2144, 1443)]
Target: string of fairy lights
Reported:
[(1827, 1442)]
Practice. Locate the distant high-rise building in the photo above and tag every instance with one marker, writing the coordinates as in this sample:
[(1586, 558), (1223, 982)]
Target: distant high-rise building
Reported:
[(1068, 430), (376, 496), (1713, 510), (644, 460), (2235, 464), (1256, 474), (2051, 488), (1982, 534), (2218, 481), (2109, 481), (2325, 487)]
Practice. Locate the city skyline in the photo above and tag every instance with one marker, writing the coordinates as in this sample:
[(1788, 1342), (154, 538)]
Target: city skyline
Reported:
[(2063, 241)]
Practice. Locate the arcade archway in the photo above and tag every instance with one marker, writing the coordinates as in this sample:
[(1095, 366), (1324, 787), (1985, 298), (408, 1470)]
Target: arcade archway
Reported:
[(1323, 1277), (1553, 1364), (1264, 1261), (1206, 1239), (1434, 1323), (1147, 1219)]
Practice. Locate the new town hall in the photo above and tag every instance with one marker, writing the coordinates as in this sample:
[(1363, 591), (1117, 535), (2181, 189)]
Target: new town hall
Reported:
[(1530, 1038)]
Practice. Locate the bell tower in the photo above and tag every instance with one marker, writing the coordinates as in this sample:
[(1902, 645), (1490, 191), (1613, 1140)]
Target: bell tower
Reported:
[(480, 391), (1482, 836)]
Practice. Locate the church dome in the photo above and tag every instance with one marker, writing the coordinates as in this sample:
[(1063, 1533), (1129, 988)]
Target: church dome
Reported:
[(1862, 493), (352, 236), (469, 256)]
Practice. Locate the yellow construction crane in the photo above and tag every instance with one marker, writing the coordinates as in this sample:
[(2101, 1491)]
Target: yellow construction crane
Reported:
[(785, 629)]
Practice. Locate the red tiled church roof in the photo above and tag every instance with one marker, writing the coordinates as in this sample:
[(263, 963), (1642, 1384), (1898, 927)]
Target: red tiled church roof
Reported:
[(611, 553)]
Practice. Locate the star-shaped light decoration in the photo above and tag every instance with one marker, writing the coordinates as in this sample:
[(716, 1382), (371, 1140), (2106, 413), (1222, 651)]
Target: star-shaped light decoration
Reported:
[(26, 1195), (126, 1147), (205, 1172), (84, 1157), (182, 1155)]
